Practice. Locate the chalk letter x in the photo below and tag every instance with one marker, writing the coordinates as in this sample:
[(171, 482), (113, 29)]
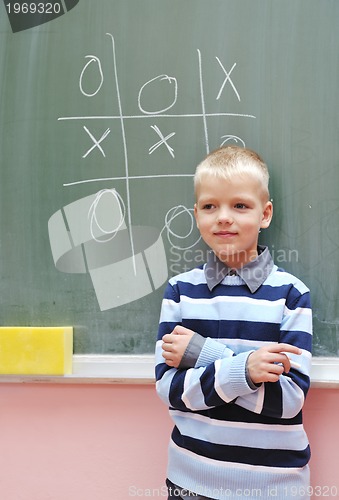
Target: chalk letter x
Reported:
[(96, 143), (227, 78), (162, 141)]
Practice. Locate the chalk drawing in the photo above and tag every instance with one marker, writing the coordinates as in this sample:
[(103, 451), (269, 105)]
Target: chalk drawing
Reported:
[(162, 78), (92, 59), (127, 262), (227, 79), (96, 143), (163, 140)]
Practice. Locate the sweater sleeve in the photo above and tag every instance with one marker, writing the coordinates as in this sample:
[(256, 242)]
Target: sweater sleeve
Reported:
[(201, 351), (220, 380), (219, 377), (285, 398)]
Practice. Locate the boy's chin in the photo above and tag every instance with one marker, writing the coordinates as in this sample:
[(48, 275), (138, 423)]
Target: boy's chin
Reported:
[(236, 258)]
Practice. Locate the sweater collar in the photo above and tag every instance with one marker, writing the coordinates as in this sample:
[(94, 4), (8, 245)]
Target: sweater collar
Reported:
[(253, 274)]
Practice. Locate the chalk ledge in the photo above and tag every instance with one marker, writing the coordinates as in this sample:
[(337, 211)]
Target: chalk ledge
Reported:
[(139, 369)]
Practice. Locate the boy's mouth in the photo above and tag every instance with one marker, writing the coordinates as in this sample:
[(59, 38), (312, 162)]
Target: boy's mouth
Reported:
[(225, 234)]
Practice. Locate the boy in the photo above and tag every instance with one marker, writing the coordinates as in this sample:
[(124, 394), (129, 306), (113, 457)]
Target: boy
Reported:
[(234, 348)]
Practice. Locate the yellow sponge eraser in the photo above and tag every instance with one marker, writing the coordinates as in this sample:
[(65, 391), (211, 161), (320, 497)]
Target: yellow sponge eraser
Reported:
[(36, 350)]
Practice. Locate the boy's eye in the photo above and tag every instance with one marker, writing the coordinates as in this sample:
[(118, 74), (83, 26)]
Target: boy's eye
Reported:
[(240, 205), (208, 206)]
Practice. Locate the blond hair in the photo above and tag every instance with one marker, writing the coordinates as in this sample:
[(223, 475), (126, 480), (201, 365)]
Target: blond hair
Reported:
[(225, 162)]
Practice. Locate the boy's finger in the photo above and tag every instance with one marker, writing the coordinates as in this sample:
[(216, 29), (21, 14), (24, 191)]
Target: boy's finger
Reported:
[(167, 339), (285, 348), (286, 363)]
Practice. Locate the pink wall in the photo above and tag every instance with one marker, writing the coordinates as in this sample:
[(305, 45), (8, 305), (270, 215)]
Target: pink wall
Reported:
[(108, 442)]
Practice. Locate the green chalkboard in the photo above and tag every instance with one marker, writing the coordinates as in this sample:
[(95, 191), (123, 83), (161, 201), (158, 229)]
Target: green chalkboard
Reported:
[(105, 110)]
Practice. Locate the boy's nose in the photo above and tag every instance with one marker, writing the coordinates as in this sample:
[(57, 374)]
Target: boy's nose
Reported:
[(225, 217)]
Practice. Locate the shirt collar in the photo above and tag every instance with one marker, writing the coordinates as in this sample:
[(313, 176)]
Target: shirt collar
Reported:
[(253, 274)]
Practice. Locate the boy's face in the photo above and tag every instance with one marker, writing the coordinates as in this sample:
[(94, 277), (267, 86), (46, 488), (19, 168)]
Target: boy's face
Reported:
[(229, 215)]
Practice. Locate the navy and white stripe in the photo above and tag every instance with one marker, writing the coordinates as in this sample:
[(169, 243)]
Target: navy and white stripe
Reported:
[(221, 423)]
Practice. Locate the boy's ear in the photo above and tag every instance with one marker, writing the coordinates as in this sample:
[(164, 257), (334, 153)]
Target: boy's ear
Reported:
[(267, 215), (196, 215)]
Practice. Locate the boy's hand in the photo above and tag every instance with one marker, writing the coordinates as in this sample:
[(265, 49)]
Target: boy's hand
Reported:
[(269, 362), (175, 344)]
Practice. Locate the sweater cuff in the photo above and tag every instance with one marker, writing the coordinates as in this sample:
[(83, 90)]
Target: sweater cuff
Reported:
[(192, 352), (251, 384), (211, 351), (237, 377)]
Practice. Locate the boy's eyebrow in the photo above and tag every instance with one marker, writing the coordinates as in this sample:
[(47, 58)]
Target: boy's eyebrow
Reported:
[(244, 197), (205, 199), (233, 198)]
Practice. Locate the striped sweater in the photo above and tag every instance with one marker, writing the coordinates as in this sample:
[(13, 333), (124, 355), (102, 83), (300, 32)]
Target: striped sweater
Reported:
[(231, 440)]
